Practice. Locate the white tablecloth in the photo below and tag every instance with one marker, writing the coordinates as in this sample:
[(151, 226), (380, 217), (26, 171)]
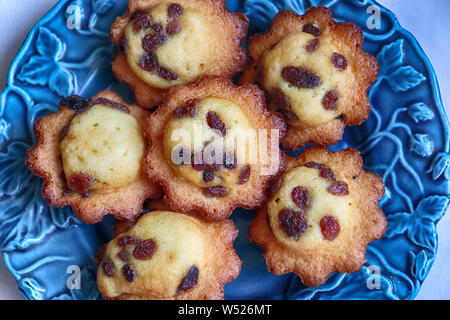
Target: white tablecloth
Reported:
[(427, 20)]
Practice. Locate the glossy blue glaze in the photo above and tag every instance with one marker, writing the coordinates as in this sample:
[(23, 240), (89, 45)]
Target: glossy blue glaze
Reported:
[(405, 140)]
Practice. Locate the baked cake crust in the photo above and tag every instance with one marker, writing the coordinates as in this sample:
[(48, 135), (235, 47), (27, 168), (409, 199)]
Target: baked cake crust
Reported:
[(44, 160), (184, 196), (314, 264), (230, 31), (347, 38), (221, 266)]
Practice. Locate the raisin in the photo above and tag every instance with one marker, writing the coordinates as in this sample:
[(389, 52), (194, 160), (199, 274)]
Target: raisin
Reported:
[(327, 174), (149, 61), (126, 240), (244, 175), (329, 100), (230, 161), (215, 191), (173, 27), (330, 227), (211, 160), (339, 61), (142, 21), (129, 273), (144, 249), (289, 115), (208, 175), (135, 14), (80, 182), (157, 28), (189, 281), (123, 255), (315, 165), (174, 10), (283, 103), (197, 161), (300, 196), (339, 188), (74, 102), (108, 268), (109, 103), (214, 122), (311, 29), (167, 74), (293, 223), (179, 112), (152, 41), (312, 45), (191, 107), (301, 78)]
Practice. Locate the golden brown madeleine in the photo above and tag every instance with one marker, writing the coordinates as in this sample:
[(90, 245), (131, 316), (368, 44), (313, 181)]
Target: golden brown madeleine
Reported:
[(213, 147), (90, 156), (320, 216), (169, 255), (163, 43), (315, 73)]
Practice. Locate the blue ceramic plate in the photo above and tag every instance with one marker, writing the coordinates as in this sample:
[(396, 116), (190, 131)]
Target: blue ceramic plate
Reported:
[(405, 140)]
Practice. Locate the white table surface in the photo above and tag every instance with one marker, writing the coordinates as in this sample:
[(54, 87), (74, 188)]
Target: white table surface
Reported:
[(427, 20)]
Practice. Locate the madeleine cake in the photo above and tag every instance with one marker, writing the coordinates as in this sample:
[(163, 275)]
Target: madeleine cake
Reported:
[(315, 72), (320, 215)]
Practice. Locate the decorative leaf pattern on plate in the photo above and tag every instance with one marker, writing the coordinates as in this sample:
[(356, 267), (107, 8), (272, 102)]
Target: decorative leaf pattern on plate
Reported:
[(419, 265), (21, 226), (420, 112), (421, 144), (5, 129), (419, 225), (390, 57), (440, 166), (405, 78), (35, 71), (44, 69), (400, 78), (103, 6)]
